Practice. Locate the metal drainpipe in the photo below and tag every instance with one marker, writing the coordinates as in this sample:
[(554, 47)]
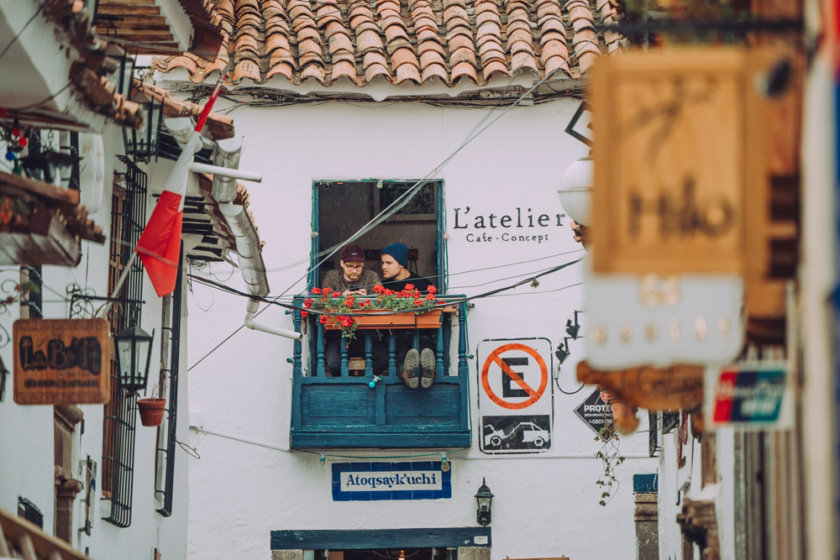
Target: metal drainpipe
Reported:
[(227, 154), (251, 266), (253, 306)]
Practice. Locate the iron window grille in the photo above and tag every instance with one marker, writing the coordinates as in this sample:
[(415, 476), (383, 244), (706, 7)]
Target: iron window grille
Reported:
[(30, 512), (128, 216)]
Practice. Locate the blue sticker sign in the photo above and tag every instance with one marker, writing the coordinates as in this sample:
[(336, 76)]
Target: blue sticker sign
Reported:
[(418, 480)]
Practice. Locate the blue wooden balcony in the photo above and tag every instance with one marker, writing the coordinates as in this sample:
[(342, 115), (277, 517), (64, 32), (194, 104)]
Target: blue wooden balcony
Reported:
[(354, 408)]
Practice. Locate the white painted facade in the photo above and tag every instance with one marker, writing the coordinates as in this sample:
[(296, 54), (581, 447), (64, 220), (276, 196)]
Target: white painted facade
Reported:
[(249, 483), (26, 431)]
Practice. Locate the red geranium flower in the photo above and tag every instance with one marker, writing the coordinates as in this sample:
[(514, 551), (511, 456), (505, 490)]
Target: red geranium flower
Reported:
[(349, 302), (304, 314), (327, 291), (418, 302), (316, 290), (431, 289), (430, 297), (323, 319), (307, 303), (409, 287), (379, 288)]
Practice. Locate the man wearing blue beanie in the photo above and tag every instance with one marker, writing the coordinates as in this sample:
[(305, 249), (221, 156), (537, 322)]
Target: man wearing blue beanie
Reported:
[(396, 277), (395, 274)]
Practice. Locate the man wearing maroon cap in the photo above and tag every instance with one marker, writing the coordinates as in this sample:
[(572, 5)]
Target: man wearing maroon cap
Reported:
[(352, 278)]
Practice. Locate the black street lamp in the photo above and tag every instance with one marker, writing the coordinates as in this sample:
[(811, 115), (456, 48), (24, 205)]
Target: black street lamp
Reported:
[(144, 144), (484, 497), (134, 352)]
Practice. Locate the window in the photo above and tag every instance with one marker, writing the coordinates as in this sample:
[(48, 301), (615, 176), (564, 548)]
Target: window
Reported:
[(343, 207), (361, 401), (128, 216)]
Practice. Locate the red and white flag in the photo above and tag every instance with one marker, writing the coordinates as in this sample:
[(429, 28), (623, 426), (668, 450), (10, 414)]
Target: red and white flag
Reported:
[(160, 243)]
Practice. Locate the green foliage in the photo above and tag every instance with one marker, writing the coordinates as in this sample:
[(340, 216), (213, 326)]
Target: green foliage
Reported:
[(610, 456)]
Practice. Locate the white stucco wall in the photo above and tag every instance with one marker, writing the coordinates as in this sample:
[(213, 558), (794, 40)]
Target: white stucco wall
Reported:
[(26, 432), (247, 482)]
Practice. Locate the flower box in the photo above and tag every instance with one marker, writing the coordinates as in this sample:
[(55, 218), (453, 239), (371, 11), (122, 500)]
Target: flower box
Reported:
[(380, 319)]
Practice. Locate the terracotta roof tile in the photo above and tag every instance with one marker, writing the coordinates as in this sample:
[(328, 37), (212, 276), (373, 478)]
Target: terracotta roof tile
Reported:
[(219, 126), (403, 41), (281, 68)]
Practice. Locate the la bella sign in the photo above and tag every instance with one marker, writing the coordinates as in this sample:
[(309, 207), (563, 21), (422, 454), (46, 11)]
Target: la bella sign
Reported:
[(62, 361)]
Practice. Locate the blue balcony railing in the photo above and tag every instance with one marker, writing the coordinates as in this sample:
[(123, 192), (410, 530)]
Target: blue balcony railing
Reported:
[(357, 406)]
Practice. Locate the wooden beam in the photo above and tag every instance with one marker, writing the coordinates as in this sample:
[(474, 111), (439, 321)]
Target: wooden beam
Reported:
[(126, 3), (133, 34), (134, 21), (64, 196), (123, 11), (33, 539)]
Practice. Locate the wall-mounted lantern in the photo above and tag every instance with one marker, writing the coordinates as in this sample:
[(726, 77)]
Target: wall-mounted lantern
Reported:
[(143, 144), (134, 352), (484, 498)]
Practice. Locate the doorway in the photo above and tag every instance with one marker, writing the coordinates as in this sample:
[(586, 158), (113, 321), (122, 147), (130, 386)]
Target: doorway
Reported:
[(389, 554)]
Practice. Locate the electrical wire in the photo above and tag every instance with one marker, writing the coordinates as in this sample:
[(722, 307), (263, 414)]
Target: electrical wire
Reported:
[(447, 302), (39, 103), (16, 37), (407, 196), (559, 388), (404, 198)]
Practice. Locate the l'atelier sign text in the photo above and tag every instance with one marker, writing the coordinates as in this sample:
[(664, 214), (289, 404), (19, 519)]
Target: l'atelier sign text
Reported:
[(518, 226)]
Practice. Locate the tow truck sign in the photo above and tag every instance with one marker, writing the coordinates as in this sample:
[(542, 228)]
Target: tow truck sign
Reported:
[(515, 395)]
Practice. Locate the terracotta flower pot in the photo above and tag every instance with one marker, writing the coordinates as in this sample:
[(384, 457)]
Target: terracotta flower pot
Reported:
[(151, 411), (379, 319)]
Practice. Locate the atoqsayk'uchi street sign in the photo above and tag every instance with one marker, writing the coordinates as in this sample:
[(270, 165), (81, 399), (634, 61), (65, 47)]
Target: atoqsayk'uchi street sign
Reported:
[(62, 361)]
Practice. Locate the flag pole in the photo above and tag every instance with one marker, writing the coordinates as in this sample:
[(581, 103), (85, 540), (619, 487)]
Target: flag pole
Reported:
[(107, 307), (193, 145)]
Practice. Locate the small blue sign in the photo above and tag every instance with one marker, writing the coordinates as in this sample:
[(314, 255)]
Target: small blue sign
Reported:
[(418, 480)]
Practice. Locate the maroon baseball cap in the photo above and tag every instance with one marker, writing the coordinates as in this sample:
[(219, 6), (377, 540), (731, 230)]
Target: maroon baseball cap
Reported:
[(353, 253)]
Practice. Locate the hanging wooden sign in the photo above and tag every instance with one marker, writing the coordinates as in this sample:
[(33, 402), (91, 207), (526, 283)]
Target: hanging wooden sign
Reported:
[(678, 145), (62, 361), (679, 387)]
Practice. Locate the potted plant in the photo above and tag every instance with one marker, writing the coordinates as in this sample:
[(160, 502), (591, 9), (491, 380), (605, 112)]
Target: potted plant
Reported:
[(385, 309), (151, 409)]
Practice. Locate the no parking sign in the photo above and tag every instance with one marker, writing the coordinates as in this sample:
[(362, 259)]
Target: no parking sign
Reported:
[(515, 395)]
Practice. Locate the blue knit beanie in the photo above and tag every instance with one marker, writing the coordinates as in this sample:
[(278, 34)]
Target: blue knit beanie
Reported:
[(399, 251)]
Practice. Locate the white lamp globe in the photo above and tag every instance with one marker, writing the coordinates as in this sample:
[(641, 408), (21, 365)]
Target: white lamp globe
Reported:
[(575, 190)]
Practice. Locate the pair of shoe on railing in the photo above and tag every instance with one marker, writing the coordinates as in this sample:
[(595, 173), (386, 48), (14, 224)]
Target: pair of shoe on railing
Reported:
[(425, 362)]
